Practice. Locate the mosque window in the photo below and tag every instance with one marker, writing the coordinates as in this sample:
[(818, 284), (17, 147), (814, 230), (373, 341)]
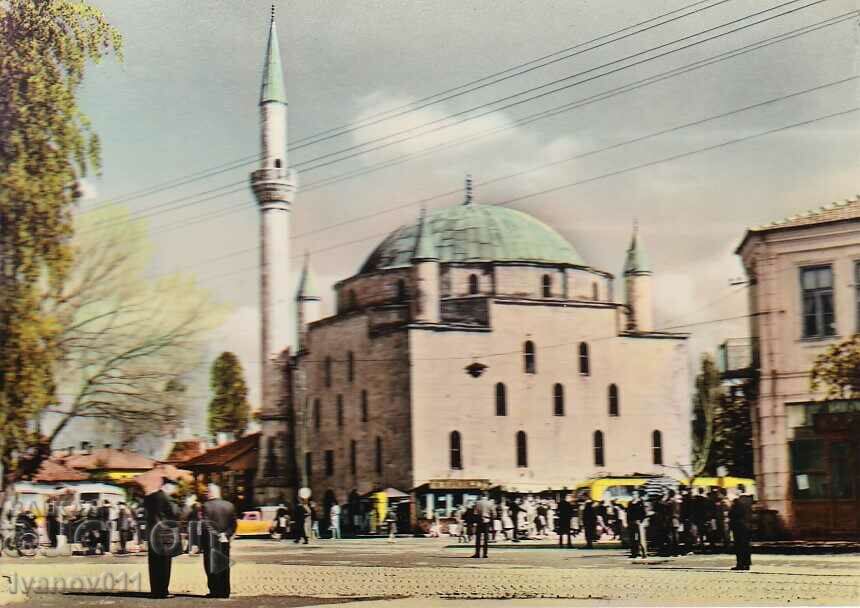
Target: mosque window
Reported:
[(522, 450), (456, 451), (473, 284), (364, 406), (353, 456), (657, 447), (401, 290), (501, 400), (558, 400), (379, 455), (327, 371), (598, 449), (340, 410), (350, 366), (547, 286), (277, 163), (584, 363), (329, 463), (317, 414), (595, 293), (613, 400), (529, 357)]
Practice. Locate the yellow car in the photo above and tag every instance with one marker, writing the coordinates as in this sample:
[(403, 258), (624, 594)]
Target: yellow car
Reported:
[(253, 523), (610, 488)]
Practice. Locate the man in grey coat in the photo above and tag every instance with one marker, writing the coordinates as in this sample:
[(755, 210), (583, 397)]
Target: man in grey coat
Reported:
[(219, 525)]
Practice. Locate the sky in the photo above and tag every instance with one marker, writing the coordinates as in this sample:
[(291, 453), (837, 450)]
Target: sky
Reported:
[(184, 101)]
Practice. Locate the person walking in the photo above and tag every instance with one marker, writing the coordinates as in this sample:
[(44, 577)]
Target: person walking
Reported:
[(124, 525), (565, 515), (740, 520), (313, 520), (104, 526), (52, 522), (301, 515), (334, 518), (483, 518), (281, 519), (507, 522), (163, 539), (195, 527), (219, 518), (635, 516), (589, 523)]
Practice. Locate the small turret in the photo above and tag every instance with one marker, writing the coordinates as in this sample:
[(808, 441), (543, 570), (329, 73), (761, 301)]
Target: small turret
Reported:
[(637, 286), (308, 303), (425, 265)]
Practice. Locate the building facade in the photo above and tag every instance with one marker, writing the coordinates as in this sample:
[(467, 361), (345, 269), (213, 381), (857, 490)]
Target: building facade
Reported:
[(473, 348), (804, 275)]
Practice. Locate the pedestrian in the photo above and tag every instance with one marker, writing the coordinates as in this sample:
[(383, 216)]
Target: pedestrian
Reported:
[(589, 523), (516, 517), (483, 518), (507, 522), (300, 516), (313, 520), (391, 523), (195, 527), (635, 517), (565, 515), (672, 521), (52, 522), (281, 518), (219, 516), (700, 511), (334, 518), (124, 524), (163, 539), (740, 520)]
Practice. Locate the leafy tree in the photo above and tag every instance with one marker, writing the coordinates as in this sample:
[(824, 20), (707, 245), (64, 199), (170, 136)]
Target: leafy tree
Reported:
[(836, 371), (229, 410), (46, 146), (126, 342)]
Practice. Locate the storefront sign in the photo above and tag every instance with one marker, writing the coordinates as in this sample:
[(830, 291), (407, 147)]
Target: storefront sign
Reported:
[(459, 484)]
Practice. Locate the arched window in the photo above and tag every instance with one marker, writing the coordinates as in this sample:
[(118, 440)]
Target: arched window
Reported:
[(364, 406), (529, 357), (501, 400), (657, 447), (317, 408), (340, 410), (558, 400), (547, 285), (379, 455), (613, 400), (595, 294), (327, 371), (584, 363), (353, 457), (456, 451), (522, 450), (350, 366), (473, 284), (401, 290), (598, 449), (277, 163)]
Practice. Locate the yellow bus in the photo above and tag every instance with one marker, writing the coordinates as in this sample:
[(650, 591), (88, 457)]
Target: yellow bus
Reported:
[(609, 488)]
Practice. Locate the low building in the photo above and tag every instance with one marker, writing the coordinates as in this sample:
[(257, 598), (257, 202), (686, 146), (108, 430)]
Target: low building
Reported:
[(110, 464), (804, 276), (233, 466)]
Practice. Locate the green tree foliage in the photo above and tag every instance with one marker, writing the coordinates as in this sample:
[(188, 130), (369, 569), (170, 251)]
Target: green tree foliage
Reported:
[(836, 371), (46, 146), (722, 427), (229, 410)]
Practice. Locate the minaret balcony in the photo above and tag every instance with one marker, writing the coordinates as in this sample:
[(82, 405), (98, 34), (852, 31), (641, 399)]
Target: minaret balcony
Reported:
[(273, 185)]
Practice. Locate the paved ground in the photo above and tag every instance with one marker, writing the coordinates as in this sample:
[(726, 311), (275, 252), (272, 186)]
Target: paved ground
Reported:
[(425, 572)]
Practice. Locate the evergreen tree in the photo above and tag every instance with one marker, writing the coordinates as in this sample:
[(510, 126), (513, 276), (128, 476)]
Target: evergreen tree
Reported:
[(46, 147), (229, 410)]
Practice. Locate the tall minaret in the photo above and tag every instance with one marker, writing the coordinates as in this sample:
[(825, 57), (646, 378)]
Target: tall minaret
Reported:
[(274, 186), (637, 286)]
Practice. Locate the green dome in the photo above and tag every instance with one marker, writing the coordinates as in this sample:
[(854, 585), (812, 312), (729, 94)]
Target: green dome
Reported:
[(477, 233)]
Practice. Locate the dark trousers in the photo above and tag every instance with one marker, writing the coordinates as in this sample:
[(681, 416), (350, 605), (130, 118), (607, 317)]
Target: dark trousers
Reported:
[(104, 538), (482, 538), (561, 534), (53, 531), (590, 534), (159, 572), (742, 546), (216, 563), (301, 533), (635, 538)]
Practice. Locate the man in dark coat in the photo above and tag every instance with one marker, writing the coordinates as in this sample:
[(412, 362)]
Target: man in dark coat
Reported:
[(219, 518), (565, 514), (740, 521), (302, 511), (163, 541), (483, 520), (635, 515), (52, 521), (589, 522), (103, 514)]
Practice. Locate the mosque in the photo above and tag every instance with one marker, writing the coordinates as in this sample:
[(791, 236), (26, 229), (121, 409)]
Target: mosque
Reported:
[(474, 348)]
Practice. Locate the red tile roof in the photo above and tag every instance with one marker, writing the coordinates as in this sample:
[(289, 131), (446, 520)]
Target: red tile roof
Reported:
[(222, 456), (185, 450), (51, 471), (109, 459)]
